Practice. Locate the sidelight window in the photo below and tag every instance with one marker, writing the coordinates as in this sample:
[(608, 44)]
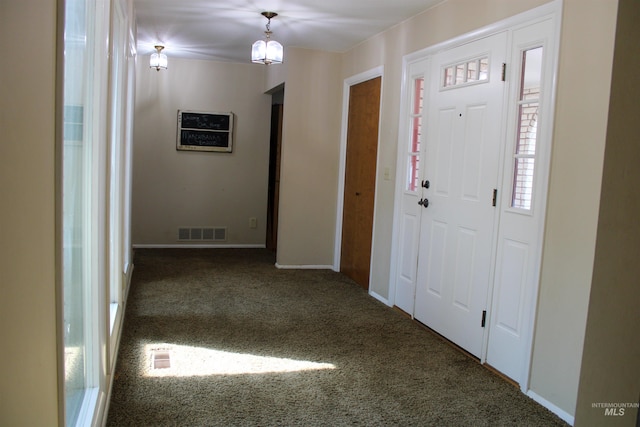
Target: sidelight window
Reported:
[(527, 129), (417, 105)]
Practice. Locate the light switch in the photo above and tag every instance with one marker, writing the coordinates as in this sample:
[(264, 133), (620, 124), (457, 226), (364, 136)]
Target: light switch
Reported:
[(387, 174)]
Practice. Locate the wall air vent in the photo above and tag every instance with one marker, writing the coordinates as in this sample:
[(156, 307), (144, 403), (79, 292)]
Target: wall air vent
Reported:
[(202, 234)]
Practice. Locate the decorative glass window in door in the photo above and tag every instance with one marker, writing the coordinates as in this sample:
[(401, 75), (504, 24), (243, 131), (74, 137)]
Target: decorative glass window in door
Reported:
[(417, 104), (465, 73), (527, 130)]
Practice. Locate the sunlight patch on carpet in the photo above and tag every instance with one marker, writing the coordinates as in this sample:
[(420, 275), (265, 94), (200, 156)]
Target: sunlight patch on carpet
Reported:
[(188, 361)]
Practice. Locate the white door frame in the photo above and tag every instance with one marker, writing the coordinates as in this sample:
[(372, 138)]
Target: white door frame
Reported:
[(552, 10), (351, 81)]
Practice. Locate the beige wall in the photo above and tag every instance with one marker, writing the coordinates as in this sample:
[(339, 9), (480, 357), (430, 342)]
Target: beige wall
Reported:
[(610, 370), (275, 75), (310, 157), (173, 188), (28, 362), (574, 196)]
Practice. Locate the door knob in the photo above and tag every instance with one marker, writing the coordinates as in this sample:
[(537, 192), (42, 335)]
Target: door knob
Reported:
[(424, 202)]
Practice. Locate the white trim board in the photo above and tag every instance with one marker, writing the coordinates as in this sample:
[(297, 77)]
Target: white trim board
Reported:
[(353, 80), (380, 298), (173, 246), (303, 267), (565, 416), (348, 82)]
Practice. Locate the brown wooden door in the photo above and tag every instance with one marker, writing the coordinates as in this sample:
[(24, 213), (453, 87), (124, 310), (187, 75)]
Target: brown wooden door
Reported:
[(360, 180)]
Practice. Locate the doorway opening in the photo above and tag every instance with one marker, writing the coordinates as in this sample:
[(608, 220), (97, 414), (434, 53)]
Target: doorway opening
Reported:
[(275, 143)]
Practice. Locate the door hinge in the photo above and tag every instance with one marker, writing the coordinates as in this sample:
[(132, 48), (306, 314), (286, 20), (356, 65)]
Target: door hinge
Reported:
[(484, 318), (495, 197), (504, 71)]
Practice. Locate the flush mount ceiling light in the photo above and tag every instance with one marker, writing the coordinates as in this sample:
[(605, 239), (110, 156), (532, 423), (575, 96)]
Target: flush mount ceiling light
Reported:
[(158, 59), (267, 51)]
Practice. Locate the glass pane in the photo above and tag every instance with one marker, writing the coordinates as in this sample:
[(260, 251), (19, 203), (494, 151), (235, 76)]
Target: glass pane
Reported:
[(413, 169), (523, 183), (531, 73), (460, 74), (75, 166), (416, 134), (532, 93), (528, 128), (418, 96), (472, 71), (448, 76), (484, 69)]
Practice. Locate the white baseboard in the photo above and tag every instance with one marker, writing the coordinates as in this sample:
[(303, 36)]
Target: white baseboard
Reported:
[(380, 298), (568, 418), (304, 267), (128, 273), (192, 246)]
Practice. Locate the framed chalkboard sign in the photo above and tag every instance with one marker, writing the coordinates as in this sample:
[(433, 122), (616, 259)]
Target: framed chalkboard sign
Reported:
[(198, 131)]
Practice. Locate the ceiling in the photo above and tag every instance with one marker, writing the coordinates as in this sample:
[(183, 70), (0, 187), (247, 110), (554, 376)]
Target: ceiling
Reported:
[(225, 30)]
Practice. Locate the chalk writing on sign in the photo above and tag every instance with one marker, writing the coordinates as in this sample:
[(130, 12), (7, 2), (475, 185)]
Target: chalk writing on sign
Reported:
[(199, 131), (204, 139)]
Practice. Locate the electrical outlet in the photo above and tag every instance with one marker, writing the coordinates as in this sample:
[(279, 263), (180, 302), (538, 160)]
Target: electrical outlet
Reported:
[(253, 223)]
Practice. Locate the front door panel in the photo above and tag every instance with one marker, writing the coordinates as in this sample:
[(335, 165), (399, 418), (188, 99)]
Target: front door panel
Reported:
[(461, 162)]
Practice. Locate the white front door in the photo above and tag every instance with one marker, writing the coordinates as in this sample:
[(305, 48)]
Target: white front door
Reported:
[(461, 165)]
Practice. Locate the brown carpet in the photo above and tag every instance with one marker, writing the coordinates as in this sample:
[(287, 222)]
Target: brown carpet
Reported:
[(220, 337)]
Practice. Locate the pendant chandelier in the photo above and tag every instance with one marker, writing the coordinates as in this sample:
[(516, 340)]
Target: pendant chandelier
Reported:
[(267, 51), (158, 59)]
